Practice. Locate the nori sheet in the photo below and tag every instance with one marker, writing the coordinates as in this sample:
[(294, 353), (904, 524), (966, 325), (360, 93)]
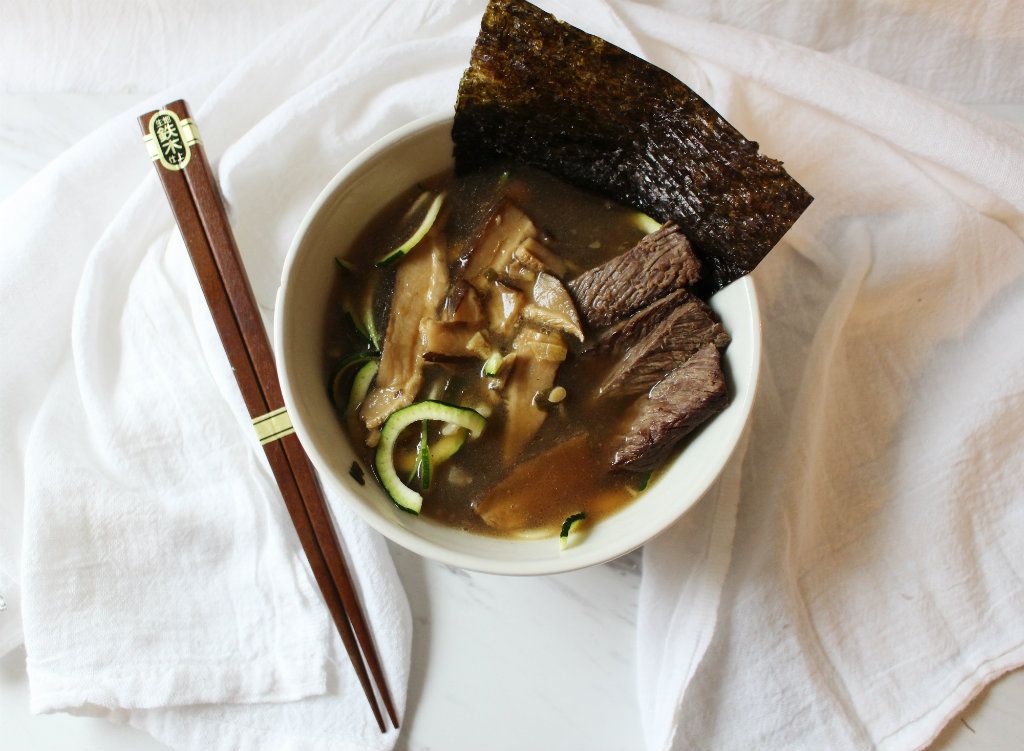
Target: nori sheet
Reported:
[(545, 93)]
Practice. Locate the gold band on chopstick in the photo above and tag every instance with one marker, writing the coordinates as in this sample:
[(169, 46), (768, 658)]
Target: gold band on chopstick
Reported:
[(190, 131), (170, 139), (273, 426)]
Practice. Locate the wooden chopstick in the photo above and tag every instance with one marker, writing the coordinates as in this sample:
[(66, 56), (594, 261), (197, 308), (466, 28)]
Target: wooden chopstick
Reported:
[(225, 251), (239, 325)]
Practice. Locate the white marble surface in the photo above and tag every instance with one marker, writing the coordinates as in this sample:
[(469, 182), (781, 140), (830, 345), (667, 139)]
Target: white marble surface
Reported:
[(498, 663)]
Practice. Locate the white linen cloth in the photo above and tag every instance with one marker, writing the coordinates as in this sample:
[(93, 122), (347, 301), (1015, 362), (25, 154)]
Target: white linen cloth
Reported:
[(875, 581), (964, 51)]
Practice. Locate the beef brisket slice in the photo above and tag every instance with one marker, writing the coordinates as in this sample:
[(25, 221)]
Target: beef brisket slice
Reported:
[(683, 400), (685, 329), (661, 262), (616, 340)]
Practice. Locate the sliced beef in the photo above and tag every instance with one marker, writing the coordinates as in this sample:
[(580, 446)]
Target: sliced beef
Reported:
[(420, 287), (685, 398), (684, 329), (661, 262), (616, 340)]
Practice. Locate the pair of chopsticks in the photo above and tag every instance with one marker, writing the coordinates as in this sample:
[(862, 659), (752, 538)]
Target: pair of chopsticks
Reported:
[(174, 145)]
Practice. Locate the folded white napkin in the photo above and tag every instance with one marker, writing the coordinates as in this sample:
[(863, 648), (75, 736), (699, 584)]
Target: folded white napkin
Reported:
[(875, 583)]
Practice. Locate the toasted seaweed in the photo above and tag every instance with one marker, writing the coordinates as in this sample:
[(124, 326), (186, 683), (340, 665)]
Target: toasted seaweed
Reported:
[(545, 93)]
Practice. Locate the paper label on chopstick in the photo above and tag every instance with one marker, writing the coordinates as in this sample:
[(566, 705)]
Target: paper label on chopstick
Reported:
[(273, 426), (170, 140)]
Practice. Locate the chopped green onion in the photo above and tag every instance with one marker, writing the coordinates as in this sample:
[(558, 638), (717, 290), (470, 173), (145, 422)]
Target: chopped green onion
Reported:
[(645, 481), (569, 527), (423, 458), (645, 223), (420, 201), (361, 385), (367, 312), (419, 234), (371, 331), (493, 364), (446, 447), (358, 325), (338, 395)]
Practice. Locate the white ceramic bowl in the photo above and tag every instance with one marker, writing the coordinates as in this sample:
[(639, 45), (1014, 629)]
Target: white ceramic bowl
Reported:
[(386, 168)]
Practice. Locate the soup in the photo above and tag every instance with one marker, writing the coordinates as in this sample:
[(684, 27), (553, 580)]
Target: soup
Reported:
[(514, 356)]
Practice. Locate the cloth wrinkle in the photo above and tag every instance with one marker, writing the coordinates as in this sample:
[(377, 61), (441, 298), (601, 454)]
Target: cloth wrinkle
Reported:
[(852, 580)]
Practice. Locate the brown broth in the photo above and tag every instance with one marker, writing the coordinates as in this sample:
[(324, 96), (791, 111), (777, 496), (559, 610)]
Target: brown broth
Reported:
[(585, 230)]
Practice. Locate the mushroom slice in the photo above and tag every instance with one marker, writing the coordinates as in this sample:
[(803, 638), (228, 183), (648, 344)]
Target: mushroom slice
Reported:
[(552, 306), (538, 355), (504, 305)]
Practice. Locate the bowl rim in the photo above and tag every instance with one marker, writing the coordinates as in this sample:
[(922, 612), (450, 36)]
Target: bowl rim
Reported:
[(408, 539)]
